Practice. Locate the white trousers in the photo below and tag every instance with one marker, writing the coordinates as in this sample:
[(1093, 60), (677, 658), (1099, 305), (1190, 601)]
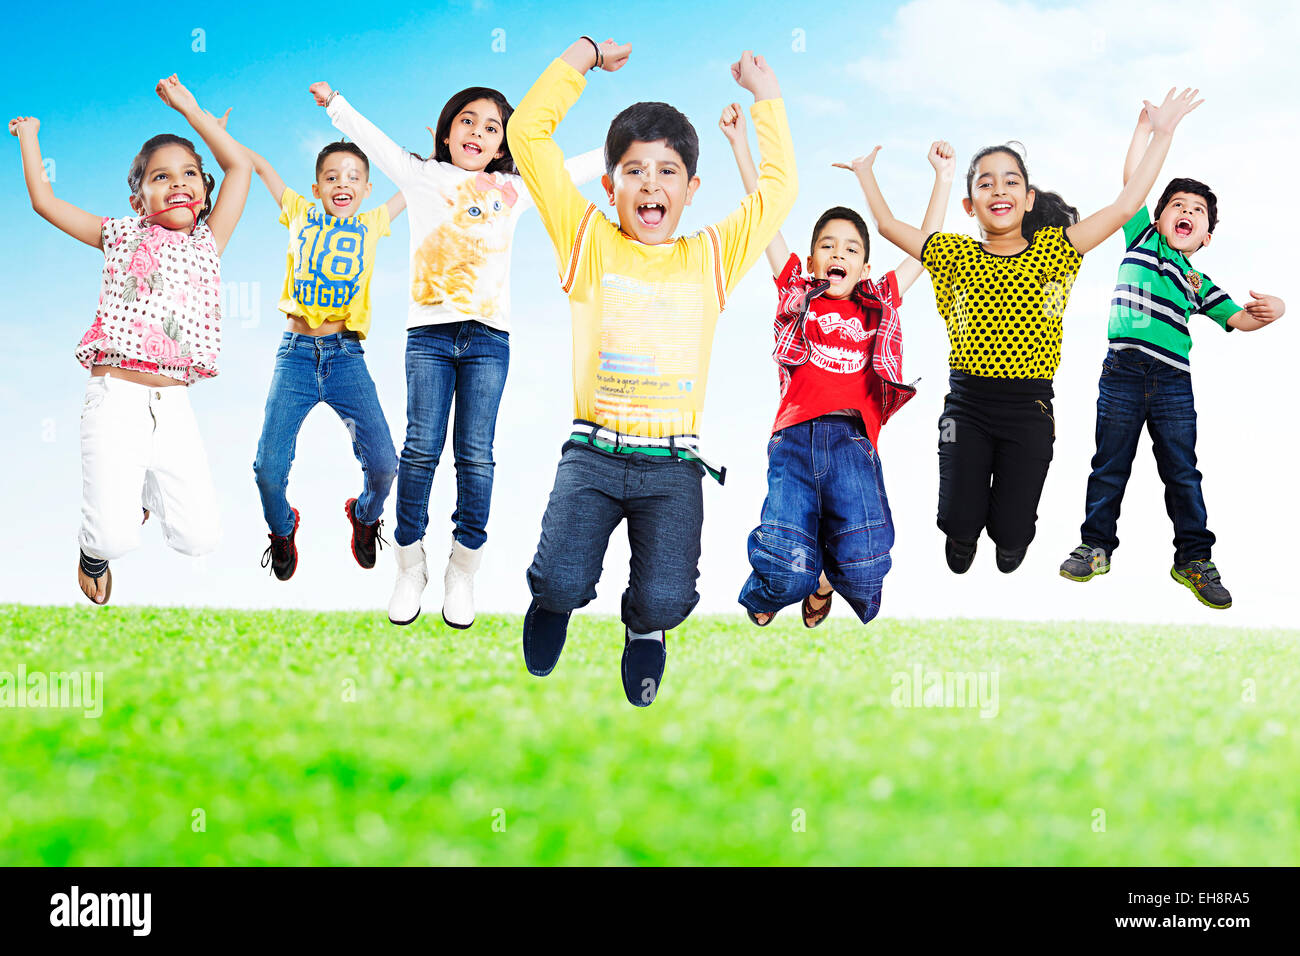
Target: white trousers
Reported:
[(140, 446)]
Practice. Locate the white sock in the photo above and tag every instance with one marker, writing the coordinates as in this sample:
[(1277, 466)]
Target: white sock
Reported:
[(652, 636)]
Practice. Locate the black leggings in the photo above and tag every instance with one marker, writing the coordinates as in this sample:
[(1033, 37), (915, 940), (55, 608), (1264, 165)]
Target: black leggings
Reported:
[(995, 443)]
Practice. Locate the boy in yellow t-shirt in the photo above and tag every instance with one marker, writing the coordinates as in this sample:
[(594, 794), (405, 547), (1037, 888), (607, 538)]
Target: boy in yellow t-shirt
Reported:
[(326, 299), (644, 304)]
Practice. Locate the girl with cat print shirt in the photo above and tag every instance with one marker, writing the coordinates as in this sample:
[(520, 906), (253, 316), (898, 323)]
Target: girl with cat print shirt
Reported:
[(157, 328), (464, 202)]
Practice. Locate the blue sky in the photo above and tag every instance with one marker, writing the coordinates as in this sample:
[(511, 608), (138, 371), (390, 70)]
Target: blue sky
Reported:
[(1067, 79)]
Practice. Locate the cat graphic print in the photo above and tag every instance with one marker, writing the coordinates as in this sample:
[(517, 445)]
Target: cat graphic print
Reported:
[(448, 268)]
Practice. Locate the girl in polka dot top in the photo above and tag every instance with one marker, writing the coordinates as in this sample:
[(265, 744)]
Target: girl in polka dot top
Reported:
[(1002, 298), (157, 329)]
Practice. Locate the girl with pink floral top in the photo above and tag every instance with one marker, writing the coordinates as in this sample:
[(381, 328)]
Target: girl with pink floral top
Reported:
[(157, 326)]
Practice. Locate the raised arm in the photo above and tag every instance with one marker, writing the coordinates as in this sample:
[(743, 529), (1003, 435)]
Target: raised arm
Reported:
[(944, 160), (265, 171), (531, 133), (1138, 145), (908, 238), (396, 205), (732, 125), (392, 160), (73, 220), (235, 160), (1089, 233)]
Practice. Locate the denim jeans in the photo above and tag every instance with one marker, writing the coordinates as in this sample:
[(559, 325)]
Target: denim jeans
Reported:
[(466, 361), (826, 508), (310, 370), (1137, 389), (663, 502)]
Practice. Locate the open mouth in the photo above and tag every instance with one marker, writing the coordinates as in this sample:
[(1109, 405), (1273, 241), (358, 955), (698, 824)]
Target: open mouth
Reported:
[(341, 200), (837, 273), (651, 214), (472, 148), (1183, 227), (1000, 208), (179, 199)]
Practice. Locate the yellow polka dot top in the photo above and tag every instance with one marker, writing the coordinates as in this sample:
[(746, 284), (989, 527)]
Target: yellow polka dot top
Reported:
[(1003, 312)]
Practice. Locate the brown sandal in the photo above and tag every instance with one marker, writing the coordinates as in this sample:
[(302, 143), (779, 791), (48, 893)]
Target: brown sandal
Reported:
[(754, 617), (814, 616)]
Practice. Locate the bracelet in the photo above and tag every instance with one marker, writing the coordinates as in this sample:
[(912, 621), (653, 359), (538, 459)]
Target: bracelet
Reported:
[(600, 59), (330, 99)]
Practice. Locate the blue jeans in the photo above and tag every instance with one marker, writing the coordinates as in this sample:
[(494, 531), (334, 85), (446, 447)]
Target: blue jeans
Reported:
[(467, 361), (310, 370), (1136, 390), (663, 502), (826, 508)]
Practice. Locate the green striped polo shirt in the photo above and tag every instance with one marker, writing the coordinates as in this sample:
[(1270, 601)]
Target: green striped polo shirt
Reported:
[(1156, 294)]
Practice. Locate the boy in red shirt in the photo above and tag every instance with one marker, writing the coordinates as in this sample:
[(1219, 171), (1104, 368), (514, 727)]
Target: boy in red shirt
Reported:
[(839, 349)]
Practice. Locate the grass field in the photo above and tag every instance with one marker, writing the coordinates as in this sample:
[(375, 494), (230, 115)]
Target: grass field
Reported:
[(339, 739)]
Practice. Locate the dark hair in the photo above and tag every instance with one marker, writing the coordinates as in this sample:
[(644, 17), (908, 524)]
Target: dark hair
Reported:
[(650, 123), (442, 152), (135, 175), (340, 146), (1050, 209), (1196, 188), (849, 216)]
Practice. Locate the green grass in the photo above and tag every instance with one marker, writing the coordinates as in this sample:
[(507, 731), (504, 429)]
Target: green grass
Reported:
[(243, 714)]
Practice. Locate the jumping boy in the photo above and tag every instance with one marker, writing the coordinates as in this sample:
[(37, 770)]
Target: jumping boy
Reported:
[(645, 305), (1146, 379)]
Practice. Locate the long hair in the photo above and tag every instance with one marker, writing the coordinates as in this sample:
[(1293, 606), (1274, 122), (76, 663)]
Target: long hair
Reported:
[(442, 153), (135, 175), (1050, 209)]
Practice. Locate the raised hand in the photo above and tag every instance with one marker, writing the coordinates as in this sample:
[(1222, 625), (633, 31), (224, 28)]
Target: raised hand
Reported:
[(1165, 117), (943, 158), (24, 124), (732, 123), (614, 55), (859, 164), (1265, 308), (225, 117), (321, 91), (174, 93), (753, 74)]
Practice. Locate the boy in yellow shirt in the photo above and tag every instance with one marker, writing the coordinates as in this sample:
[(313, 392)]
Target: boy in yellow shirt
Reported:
[(326, 300), (645, 305)]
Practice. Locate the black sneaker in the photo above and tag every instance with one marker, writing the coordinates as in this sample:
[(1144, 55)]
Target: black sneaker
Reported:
[(1085, 563), (282, 553), (960, 554), (365, 537), (544, 635), (643, 668), (1008, 561), (1202, 578)]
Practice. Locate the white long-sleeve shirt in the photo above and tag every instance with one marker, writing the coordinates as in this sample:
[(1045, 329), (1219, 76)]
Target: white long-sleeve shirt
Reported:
[(462, 224)]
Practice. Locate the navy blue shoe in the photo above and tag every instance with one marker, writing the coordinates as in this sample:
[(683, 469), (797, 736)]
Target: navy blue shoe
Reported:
[(544, 634), (1008, 561), (643, 669)]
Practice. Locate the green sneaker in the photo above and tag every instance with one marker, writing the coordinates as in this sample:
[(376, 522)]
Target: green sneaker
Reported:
[(1085, 563), (1202, 578)]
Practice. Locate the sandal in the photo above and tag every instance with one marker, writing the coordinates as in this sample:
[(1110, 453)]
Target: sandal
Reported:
[(814, 616), (88, 566), (754, 617)]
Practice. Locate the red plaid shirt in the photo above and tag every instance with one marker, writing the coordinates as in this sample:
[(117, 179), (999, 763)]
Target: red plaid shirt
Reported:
[(878, 302)]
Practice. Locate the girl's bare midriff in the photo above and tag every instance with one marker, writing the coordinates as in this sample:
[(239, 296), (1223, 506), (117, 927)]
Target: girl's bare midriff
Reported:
[(152, 379), (299, 325)]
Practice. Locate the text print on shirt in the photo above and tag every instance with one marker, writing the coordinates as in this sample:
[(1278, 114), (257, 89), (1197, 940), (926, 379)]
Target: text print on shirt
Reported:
[(329, 271)]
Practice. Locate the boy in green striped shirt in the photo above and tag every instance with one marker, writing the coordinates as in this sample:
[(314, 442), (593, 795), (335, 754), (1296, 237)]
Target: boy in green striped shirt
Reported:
[(1146, 379)]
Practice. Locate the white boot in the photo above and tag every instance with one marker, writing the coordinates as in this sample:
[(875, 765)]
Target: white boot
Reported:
[(412, 576), (458, 585)]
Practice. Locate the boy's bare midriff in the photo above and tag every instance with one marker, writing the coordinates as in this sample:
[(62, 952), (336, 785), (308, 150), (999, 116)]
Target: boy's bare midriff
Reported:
[(152, 379), (299, 324)]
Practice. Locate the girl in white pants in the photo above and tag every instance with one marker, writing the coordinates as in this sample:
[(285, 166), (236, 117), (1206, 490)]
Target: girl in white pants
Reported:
[(156, 330)]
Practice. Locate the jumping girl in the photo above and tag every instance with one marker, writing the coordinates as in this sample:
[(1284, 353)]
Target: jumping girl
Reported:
[(156, 330)]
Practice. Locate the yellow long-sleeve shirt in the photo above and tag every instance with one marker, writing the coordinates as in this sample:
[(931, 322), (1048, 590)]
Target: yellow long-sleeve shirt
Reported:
[(644, 315)]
